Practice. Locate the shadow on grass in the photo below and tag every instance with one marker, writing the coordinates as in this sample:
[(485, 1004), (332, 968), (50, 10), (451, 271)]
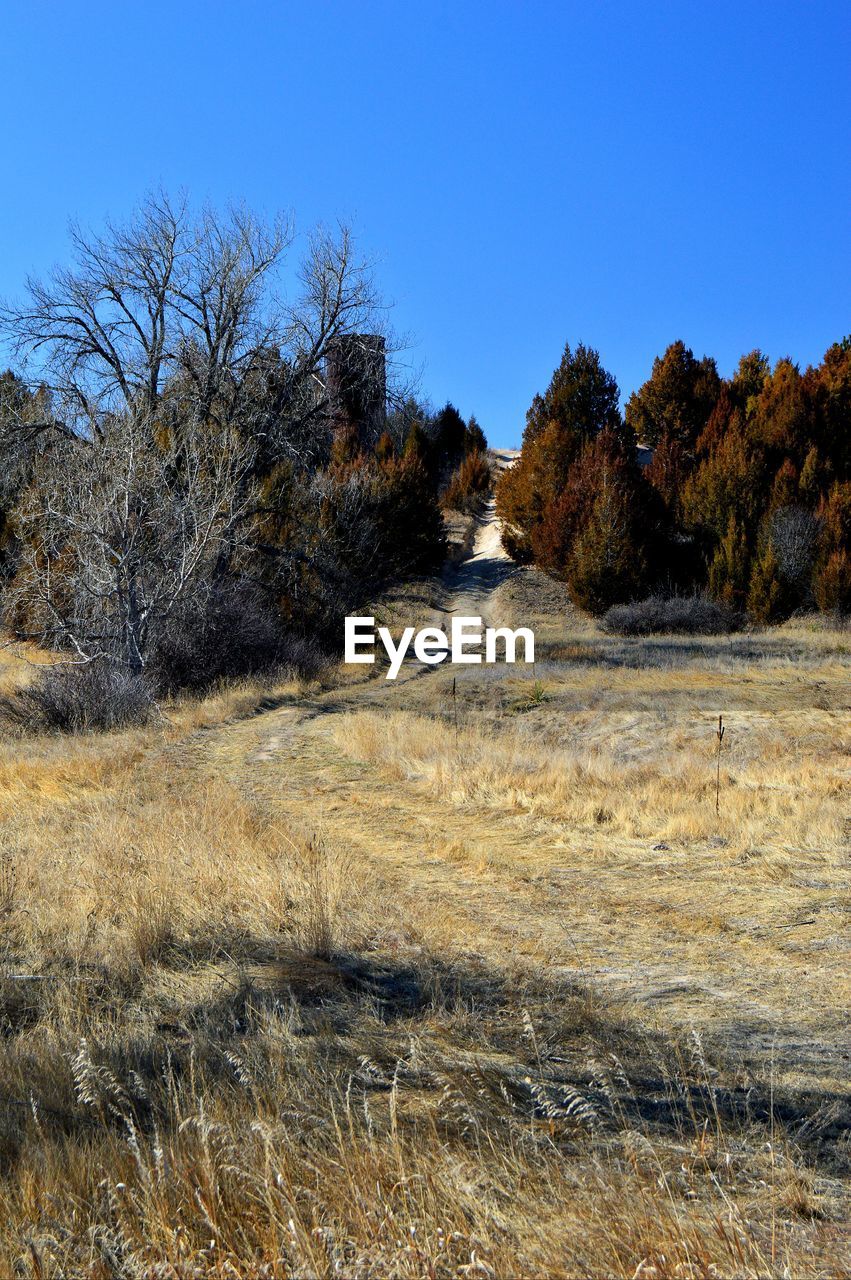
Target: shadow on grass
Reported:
[(560, 1032), (519, 1044)]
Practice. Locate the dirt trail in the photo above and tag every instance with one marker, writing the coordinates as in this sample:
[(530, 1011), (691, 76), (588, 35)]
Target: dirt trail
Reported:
[(501, 880), (470, 583)]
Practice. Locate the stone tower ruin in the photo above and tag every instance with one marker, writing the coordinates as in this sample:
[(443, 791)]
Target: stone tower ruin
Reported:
[(356, 385)]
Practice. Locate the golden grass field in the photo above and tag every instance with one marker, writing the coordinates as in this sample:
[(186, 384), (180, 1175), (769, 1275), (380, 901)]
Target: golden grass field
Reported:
[(301, 981)]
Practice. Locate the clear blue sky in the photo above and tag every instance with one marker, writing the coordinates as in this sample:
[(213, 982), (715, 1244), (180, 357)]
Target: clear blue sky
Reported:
[(621, 174)]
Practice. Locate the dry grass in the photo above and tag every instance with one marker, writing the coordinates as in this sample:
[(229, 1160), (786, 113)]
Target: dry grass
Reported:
[(654, 776), (18, 662), (593, 784), (315, 992)]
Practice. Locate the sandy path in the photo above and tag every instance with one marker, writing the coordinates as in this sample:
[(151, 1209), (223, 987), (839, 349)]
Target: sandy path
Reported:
[(471, 582), (504, 882)]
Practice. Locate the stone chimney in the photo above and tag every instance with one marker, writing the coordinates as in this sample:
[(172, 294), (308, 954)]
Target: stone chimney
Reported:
[(356, 384)]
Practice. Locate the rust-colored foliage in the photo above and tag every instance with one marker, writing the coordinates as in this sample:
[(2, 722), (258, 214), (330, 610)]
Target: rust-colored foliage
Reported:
[(346, 445), (834, 399), (607, 565), (832, 583), (765, 591), (595, 532), (726, 485), (417, 444), (785, 488), (528, 488), (832, 576), (784, 412), (667, 473), (469, 484), (385, 449), (582, 399), (729, 571), (676, 400)]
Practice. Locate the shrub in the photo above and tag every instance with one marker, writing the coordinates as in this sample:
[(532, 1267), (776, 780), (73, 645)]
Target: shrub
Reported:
[(793, 536), (469, 484), (832, 584), (682, 615), (82, 698), (765, 594), (304, 656), (235, 634), (409, 525), (516, 546)]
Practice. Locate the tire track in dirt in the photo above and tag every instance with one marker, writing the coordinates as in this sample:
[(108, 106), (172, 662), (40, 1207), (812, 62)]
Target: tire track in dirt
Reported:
[(470, 583), (494, 882)]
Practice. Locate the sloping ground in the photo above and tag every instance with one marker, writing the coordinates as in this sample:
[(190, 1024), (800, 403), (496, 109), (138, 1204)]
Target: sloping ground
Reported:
[(470, 582), (375, 980), (573, 820), (608, 861)]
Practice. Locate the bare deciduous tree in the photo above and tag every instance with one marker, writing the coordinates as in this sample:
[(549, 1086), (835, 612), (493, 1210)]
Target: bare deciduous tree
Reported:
[(176, 374), (164, 295), (116, 537), (174, 314), (793, 534)]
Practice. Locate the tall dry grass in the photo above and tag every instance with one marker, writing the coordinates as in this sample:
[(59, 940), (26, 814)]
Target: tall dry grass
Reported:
[(774, 794), (592, 810), (225, 1075), (231, 1048)]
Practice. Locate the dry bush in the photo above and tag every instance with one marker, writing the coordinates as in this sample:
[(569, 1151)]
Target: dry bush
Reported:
[(324, 885), (152, 924), (671, 615), (78, 698), (235, 633), (469, 484)]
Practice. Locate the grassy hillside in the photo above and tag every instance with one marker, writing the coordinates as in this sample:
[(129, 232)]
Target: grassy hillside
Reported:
[(301, 981)]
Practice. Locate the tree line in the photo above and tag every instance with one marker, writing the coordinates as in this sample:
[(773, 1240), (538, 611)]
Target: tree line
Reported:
[(181, 497), (737, 487)]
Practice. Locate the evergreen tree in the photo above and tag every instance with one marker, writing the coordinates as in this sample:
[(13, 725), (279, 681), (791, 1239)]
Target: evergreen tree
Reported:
[(765, 591), (677, 399), (749, 378), (417, 445), (528, 488), (834, 395), (601, 525), (832, 583), (449, 435), (385, 448), (606, 566), (475, 440), (582, 399), (729, 572)]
